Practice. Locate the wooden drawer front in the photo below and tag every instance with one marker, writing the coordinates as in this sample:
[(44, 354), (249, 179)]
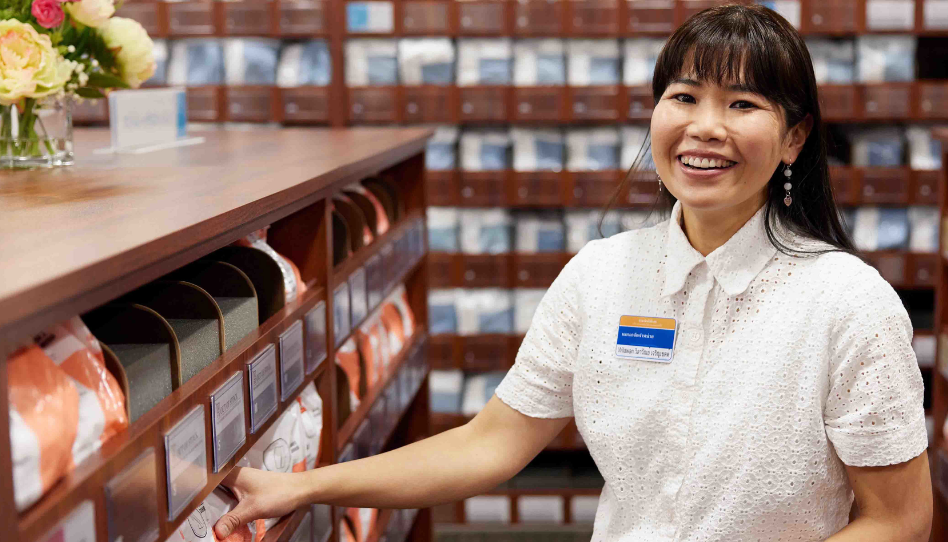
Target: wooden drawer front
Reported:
[(483, 18), (146, 13), (888, 101), (484, 353), (428, 104), (537, 270), (924, 270), (885, 185), (691, 7), (641, 102), (535, 104), (651, 17), (203, 104), (539, 17), (443, 188), (594, 17), (253, 18), (483, 104), (537, 188), (843, 185), (642, 191), (484, 271), (91, 111), (837, 101), (932, 100), (191, 18), (426, 18), (925, 187), (483, 188), (594, 188), (891, 266), (831, 16), (441, 270), (595, 103), (250, 104), (303, 18), (372, 104), (305, 104)]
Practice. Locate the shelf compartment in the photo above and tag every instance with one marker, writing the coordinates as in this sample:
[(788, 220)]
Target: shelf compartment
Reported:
[(892, 265), (932, 100), (593, 18), (640, 103), (833, 17), (593, 188), (923, 270), (191, 19), (205, 104), (304, 105), (838, 102), (883, 185), (444, 189), (483, 104), (373, 104), (536, 189), (536, 18), (487, 18), (303, 18), (248, 18), (601, 103), (485, 353), (887, 101), (152, 15), (537, 270), (539, 104), (650, 17), (845, 185), (687, 8), (429, 104), (251, 104), (483, 188), (427, 18), (483, 270), (643, 189), (925, 186)]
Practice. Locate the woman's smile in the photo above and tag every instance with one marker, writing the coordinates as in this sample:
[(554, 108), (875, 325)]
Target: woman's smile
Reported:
[(703, 165)]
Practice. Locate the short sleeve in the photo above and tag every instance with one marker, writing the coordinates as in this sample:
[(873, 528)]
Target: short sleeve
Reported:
[(540, 384), (873, 412)]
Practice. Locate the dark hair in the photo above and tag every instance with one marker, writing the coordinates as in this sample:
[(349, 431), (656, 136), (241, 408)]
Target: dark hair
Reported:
[(759, 46)]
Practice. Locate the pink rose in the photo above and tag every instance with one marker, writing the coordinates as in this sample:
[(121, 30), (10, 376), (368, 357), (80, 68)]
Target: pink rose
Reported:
[(48, 13)]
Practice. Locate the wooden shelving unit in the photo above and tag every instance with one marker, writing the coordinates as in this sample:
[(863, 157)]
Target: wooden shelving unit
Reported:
[(86, 235), (938, 455)]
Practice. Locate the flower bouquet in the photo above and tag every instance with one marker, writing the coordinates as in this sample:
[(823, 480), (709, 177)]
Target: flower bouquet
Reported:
[(55, 51)]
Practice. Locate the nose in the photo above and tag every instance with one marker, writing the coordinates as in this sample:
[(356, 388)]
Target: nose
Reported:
[(707, 124)]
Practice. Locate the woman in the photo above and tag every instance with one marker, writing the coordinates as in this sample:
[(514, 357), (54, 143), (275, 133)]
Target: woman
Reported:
[(736, 372)]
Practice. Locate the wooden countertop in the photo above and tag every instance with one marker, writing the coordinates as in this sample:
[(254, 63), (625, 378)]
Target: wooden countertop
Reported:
[(75, 237)]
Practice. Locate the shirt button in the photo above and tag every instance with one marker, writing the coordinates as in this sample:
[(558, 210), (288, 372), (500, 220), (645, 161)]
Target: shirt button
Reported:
[(693, 336)]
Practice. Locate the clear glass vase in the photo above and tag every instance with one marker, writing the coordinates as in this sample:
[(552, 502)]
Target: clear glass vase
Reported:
[(36, 133)]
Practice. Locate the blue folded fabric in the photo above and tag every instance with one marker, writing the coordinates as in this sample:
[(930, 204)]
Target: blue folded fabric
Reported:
[(315, 66), (205, 63)]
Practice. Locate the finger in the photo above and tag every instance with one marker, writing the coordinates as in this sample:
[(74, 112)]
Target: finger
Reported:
[(229, 522)]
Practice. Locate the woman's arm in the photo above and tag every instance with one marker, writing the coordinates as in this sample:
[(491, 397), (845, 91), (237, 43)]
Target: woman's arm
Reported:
[(456, 464), (894, 503)]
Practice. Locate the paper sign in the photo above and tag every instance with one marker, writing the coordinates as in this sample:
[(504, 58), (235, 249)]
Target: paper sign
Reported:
[(291, 360), (357, 294), (263, 393), (315, 337), (79, 526), (227, 420), (131, 501), (142, 117), (340, 313), (186, 461)]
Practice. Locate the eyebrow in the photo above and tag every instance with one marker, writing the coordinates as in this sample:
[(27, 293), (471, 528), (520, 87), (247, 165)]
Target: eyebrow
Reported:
[(737, 87)]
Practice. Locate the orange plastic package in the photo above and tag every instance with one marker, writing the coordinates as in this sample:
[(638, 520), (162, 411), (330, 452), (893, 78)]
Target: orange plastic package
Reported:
[(347, 357), (373, 344), (292, 280), (398, 319)]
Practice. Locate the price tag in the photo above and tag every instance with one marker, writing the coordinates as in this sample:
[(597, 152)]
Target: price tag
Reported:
[(131, 501), (227, 420), (79, 526), (315, 337), (185, 461), (357, 295), (374, 281), (291, 360), (263, 392), (340, 313)]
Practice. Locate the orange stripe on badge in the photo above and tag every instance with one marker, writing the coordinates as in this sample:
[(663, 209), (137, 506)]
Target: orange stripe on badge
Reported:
[(647, 322)]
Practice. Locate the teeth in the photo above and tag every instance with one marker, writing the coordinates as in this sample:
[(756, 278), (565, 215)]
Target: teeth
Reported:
[(705, 163)]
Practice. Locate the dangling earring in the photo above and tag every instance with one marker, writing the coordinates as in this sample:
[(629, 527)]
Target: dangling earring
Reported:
[(659, 183), (787, 200)]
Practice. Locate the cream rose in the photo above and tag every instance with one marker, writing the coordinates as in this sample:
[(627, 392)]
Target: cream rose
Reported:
[(92, 13), (29, 66), (134, 51)]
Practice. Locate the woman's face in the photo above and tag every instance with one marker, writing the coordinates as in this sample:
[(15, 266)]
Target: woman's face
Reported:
[(716, 147)]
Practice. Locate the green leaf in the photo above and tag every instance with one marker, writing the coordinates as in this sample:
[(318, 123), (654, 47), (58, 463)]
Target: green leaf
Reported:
[(87, 92), (105, 80)]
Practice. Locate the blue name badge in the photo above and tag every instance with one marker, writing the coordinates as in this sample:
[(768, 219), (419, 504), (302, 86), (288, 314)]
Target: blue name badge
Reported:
[(646, 338)]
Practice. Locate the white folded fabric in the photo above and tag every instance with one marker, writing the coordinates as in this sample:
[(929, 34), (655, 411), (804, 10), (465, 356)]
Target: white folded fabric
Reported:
[(593, 149), (250, 61), (305, 64), (537, 149), (540, 232), (526, 301), (484, 62), (371, 62), (426, 61), (441, 151), (923, 223), (443, 229), (632, 139), (485, 150), (486, 310), (883, 146), (834, 61), (539, 62), (924, 150), (640, 57), (593, 62), (485, 231), (885, 58)]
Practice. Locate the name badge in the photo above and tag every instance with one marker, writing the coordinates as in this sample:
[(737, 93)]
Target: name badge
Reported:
[(646, 338)]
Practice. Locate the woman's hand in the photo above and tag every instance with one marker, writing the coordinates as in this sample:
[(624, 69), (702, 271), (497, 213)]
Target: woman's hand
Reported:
[(262, 495)]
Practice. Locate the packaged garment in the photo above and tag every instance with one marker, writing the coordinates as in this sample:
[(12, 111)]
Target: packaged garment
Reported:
[(371, 337), (593, 62), (484, 62), (881, 228), (196, 62), (485, 231), (485, 310), (882, 147), (788, 9), (924, 150), (924, 229), (582, 226), (199, 526), (924, 347), (885, 58), (593, 149), (641, 54), (485, 150), (538, 149), (633, 137), (399, 298), (890, 15), (426, 61), (445, 389), (281, 448), (834, 60), (538, 231), (370, 17), (441, 151), (526, 301), (305, 64), (371, 62), (393, 324), (347, 357), (292, 281), (443, 229), (539, 62), (250, 61), (311, 424), (160, 50), (381, 219), (442, 312), (478, 389)]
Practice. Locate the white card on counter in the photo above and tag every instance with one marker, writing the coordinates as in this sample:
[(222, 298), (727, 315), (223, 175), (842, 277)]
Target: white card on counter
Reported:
[(340, 313), (185, 461), (263, 392), (146, 117), (315, 337), (291, 360), (79, 526), (228, 425), (357, 294)]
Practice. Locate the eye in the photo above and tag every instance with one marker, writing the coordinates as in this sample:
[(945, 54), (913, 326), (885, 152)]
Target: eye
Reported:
[(746, 104), (683, 98)]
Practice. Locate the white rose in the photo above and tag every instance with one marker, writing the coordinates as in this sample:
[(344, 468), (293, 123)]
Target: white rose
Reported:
[(92, 13), (133, 49)]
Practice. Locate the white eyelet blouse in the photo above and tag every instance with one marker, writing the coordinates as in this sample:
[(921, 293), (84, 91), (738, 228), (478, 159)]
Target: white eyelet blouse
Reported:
[(785, 368)]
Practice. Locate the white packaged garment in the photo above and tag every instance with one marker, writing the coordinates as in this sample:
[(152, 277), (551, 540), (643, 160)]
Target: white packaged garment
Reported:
[(924, 347), (486, 310), (885, 58), (442, 312), (443, 229), (883, 146), (484, 62), (441, 151), (592, 149), (537, 149), (280, 449), (881, 228), (305, 64), (539, 62), (582, 226), (371, 62), (890, 15), (834, 61), (426, 61), (199, 526), (196, 62), (924, 229), (593, 62), (484, 150), (250, 61), (488, 509), (924, 150), (370, 17), (311, 423), (632, 139), (526, 301), (538, 231), (583, 508), (641, 54), (485, 231), (445, 389), (160, 50), (478, 389)]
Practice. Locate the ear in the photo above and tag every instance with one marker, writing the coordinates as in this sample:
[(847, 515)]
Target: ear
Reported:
[(795, 139)]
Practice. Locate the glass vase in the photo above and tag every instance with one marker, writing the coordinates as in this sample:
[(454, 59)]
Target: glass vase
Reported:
[(36, 133)]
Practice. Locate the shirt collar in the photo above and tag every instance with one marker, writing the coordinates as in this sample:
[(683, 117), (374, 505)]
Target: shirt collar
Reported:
[(734, 264)]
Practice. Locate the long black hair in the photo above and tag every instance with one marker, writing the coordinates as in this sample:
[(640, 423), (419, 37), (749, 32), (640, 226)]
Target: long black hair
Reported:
[(760, 48)]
